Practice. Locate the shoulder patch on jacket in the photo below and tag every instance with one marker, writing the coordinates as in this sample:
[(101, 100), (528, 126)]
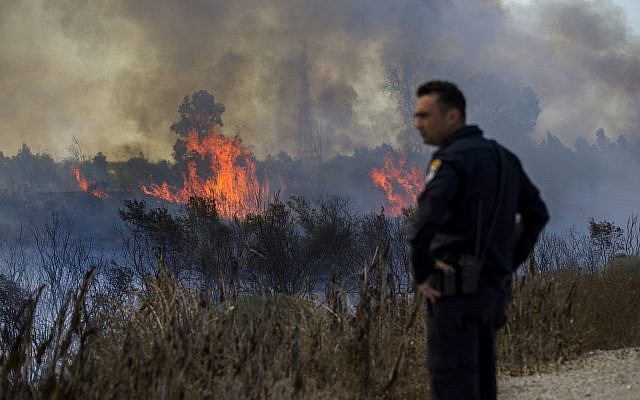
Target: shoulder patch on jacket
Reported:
[(433, 169)]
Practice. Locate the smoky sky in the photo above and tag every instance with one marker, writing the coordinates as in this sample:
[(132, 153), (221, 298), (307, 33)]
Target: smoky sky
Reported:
[(112, 73)]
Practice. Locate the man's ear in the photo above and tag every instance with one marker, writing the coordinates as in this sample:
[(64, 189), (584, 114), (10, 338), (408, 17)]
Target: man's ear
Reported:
[(453, 115)]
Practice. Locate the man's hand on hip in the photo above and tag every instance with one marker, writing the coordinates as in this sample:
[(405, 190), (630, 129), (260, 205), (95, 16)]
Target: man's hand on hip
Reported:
[(426, 289)]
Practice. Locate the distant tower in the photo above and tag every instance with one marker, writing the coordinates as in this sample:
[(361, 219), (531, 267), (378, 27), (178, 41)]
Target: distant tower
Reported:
[(308, 130)]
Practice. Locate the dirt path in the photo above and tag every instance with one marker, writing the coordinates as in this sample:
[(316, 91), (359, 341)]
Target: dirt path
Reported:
[(607, 375)]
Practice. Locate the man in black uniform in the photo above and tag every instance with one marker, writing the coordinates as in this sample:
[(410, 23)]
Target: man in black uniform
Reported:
[(464, 246)]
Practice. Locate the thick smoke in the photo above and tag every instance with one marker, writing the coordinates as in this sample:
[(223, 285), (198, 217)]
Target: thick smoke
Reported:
[(588, 75), (110, 73)]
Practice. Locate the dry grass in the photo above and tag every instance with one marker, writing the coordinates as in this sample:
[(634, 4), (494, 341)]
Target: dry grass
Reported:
[(559, 315), (164, 344)]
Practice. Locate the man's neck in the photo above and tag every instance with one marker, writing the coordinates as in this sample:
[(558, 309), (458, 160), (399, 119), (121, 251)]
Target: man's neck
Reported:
[(453, 133)]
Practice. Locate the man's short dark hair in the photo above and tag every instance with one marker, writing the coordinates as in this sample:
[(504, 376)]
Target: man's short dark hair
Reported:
[(449, 96)]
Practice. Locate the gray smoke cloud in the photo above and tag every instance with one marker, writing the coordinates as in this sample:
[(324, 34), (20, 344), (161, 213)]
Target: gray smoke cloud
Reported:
[(111, 73), (587, 76)]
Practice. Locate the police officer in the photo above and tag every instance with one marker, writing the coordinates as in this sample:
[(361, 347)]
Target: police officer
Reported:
[(464, 246)]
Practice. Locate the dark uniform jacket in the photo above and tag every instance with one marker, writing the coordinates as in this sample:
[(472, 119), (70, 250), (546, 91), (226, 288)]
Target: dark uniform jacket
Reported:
[(459, 199)]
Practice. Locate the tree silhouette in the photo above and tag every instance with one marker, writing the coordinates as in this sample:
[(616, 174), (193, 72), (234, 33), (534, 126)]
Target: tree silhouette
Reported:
[(199, 113)]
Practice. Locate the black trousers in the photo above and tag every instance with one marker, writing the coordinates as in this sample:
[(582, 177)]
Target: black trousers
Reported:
[(461, 344)]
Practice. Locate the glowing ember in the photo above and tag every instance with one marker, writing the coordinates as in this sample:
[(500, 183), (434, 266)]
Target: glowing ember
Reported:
[(230, 180), (87, 186), (401, 187)]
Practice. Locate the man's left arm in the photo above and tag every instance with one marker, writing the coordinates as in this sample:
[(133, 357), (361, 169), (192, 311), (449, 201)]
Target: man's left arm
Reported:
[(432, 205)]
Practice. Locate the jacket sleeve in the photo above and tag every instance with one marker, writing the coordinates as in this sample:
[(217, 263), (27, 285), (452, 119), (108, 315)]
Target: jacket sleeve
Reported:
[(433, 202), (534, 217)]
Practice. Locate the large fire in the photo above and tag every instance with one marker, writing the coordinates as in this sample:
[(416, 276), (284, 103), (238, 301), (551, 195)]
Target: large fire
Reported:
[(400, 186), (87, 186), (231, 177)]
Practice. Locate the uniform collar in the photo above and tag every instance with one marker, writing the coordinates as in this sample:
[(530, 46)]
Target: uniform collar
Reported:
[(466, 131)]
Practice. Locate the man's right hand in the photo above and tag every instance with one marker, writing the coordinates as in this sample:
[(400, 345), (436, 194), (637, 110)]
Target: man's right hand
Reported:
[(425, 287), (428, 291)]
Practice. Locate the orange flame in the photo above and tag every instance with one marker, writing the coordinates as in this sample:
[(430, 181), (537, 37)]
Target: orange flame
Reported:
[(401, 187), (232, 182), (87, 186)]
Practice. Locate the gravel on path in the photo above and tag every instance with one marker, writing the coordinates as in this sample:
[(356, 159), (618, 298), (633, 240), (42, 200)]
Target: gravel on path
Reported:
[(610, 375)]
